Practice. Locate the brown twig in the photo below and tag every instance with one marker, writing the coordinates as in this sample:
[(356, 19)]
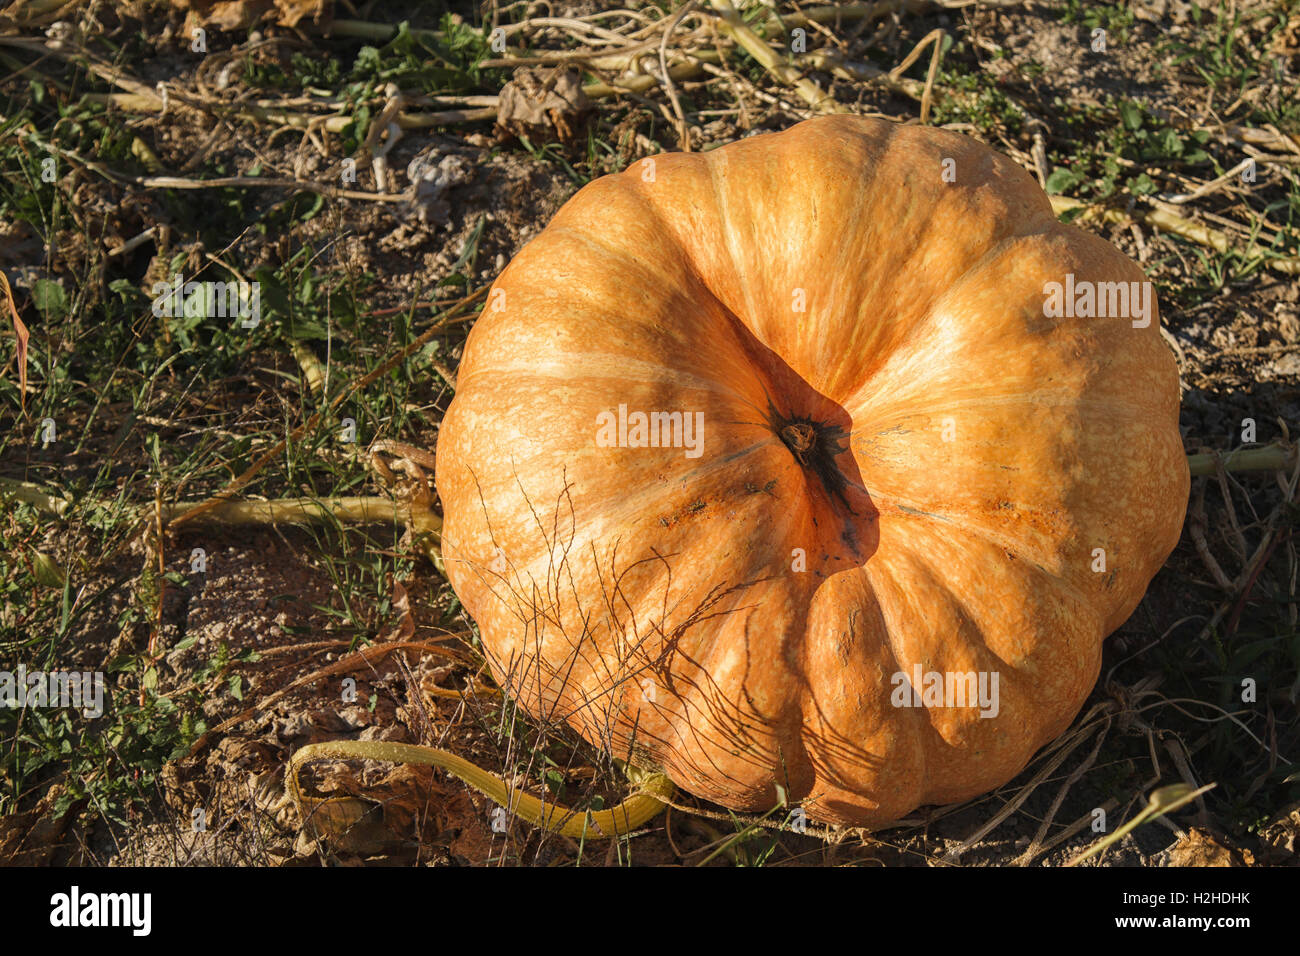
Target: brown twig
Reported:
[(935, 38), (364, 656), (683, 131)]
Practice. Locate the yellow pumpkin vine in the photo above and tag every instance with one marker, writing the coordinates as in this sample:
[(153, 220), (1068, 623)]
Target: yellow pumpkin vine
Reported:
[(815, 468)]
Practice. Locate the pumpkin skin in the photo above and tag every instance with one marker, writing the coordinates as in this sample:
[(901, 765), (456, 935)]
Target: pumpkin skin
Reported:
[(946, 457)]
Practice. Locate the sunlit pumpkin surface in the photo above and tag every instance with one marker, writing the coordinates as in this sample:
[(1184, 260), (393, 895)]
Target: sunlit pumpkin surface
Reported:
[(892, 457)]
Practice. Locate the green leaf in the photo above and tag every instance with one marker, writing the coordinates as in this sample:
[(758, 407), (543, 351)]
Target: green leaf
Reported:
[(314, 205), (1131, 115), (48, 572), (1060, 180), (48, 296), (555, 782), (307, 330)]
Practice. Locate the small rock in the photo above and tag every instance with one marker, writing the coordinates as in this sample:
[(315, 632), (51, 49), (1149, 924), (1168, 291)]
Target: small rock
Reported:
[(292, 727), (431, 175)]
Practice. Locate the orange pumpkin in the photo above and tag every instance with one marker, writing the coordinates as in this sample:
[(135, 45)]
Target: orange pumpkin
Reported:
[(811, 462)]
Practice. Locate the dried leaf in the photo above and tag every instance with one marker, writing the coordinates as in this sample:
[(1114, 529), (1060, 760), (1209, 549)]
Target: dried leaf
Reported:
[(543, 105), (20, 330), (405, 629), (1281, 837), (1202, 848), (405, 804), (244, 14), (32, 838)]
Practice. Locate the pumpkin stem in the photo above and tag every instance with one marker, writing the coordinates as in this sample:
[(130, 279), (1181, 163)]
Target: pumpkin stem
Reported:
[(800, 437), (815, 446)]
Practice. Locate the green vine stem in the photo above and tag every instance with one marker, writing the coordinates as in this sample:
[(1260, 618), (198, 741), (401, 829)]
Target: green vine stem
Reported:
[(649, 800), (1278, 456)]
